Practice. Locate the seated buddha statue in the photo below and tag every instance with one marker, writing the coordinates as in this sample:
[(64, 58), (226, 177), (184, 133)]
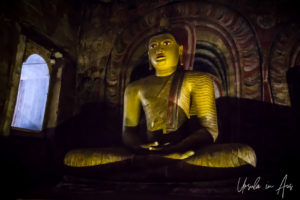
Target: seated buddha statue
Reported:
[(181, 117)]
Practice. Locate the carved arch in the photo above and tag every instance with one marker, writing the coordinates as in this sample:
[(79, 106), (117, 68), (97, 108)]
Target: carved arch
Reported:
[(208, 58), (221, 26), (284, 54)]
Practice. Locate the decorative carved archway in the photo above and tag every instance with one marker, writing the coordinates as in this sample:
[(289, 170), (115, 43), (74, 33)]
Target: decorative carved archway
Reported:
[(224, 28), (284, 54)]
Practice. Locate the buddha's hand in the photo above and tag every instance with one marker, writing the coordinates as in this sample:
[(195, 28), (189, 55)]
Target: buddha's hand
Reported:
[(150, 146), (155, 146), (180, 156)]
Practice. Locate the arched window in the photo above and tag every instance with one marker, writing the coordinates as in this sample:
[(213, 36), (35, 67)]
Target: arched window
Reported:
[(32, 94)]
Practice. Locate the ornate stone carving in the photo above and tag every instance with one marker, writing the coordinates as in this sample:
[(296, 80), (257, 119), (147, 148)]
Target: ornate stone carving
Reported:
[(223, 27), (284, 54)]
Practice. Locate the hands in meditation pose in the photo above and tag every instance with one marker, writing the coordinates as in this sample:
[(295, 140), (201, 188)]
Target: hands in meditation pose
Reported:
[(181, 118)]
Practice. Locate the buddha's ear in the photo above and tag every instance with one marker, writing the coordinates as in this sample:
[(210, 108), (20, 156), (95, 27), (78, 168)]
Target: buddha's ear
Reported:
[(180, 50)]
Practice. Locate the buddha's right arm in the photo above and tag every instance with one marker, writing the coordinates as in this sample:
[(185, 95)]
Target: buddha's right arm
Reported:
[(132, 110)]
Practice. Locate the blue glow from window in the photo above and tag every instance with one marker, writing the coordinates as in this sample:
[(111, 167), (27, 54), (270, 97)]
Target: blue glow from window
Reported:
[(32, 94)]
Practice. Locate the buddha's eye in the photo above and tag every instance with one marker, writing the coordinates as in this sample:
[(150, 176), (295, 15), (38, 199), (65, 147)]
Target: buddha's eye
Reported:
[(167, 43), (152, 46)]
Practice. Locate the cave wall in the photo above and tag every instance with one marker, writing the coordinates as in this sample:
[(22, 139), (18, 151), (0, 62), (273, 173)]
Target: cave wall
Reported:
[(255, 28), (8, 51), (103, 46), (53, 26), (104, 43), (42, 27), (259, 41)]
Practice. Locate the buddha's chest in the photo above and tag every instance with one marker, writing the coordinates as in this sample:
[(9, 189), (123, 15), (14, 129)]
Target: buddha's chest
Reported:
[(155, 97)]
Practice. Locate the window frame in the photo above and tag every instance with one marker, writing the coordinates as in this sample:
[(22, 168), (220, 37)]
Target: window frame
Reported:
[(18, 130)]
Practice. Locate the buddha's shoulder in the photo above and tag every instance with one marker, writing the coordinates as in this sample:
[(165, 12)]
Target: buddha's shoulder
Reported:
[(138, 84), (199, 76)]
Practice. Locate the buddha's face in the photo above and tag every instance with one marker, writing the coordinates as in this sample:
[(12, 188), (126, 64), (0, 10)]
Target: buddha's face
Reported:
[(164, 51)]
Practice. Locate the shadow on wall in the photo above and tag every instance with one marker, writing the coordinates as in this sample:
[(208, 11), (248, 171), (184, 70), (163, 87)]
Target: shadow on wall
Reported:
[(94, 126), (270, 129), (293, 79)]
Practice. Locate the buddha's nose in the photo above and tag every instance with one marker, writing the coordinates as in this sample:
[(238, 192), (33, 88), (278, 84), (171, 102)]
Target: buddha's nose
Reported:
[(160, 50)]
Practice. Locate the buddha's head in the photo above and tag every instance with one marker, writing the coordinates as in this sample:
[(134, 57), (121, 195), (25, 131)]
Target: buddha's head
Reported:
[(164, 53)]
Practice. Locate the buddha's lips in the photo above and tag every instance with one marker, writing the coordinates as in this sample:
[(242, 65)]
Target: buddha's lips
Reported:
[(160, 56)]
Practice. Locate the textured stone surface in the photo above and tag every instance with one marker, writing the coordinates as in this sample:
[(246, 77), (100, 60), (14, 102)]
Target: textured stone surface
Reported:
[(106, 42), (113, 47), (10, 43), (103, 43)]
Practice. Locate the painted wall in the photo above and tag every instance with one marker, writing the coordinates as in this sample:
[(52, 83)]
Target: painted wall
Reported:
[(253, 42), (257, 41)]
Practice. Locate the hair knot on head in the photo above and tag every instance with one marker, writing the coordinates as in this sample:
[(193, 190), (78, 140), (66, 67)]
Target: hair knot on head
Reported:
[(164, 24)]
